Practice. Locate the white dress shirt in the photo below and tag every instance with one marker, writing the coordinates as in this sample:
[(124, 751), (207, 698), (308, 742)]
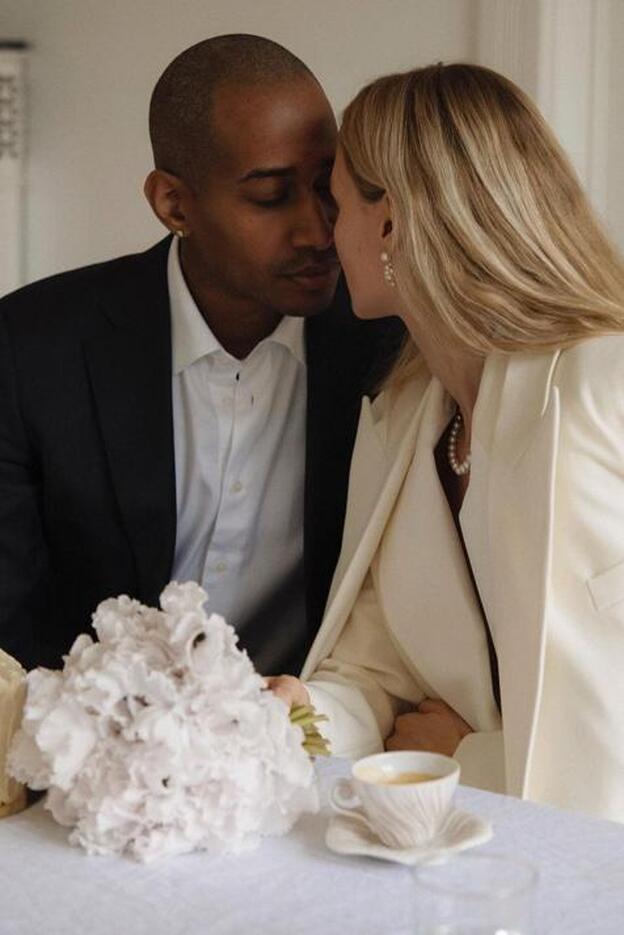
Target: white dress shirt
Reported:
[(239, 434)]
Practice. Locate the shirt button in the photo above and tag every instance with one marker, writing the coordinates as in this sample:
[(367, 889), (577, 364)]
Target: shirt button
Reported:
[(237, 487), (221, 567)]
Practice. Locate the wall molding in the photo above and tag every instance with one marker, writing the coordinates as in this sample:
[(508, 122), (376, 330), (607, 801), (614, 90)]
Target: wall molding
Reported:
[(12, 163), (507, 34), (558, 51)]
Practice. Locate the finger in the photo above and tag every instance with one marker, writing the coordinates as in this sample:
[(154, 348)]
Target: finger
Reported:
[(290, 689), (399, 741), (281, 688), (405, 721), (433, 706), (283, 694), (274, 682)]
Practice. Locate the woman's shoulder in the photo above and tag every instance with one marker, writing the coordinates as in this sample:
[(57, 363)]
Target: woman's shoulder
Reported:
[(592, 371), (596, 352), (589, 378)]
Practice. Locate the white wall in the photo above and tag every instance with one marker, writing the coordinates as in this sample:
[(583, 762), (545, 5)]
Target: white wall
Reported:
[(94, 63), (93, 66)]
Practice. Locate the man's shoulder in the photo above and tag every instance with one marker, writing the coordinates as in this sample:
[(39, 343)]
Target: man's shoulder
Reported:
[(65, 295)]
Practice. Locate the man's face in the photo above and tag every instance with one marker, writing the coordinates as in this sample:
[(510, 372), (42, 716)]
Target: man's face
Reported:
[(260, 228)]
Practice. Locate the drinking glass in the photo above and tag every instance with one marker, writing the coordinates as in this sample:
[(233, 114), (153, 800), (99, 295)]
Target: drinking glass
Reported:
[(475, 894)]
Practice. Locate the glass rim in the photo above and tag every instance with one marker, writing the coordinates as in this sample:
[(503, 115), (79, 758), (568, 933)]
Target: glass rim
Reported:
[(530, 871)]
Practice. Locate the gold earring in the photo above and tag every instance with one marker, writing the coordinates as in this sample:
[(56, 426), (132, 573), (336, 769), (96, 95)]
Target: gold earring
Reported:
[(388, 269)]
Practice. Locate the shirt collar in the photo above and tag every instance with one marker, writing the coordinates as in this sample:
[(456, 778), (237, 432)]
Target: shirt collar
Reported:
[(290, 333), (191, 337)]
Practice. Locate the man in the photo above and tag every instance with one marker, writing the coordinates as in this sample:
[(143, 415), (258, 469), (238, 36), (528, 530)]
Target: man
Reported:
[(190, 412)]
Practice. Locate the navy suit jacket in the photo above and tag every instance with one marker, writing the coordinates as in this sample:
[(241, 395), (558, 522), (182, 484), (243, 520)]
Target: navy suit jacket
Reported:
[(87, 471)]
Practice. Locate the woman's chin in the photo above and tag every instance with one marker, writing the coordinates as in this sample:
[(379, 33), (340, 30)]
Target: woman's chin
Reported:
[(368, 312), (361, 304)]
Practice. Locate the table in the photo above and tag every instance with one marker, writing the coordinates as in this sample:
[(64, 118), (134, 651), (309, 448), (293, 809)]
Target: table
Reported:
[(294, 885)]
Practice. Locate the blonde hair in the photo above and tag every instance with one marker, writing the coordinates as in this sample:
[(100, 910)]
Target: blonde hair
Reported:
[(492, 233)]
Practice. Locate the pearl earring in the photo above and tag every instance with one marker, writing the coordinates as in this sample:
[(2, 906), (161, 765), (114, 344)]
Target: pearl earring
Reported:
[(179, 232), (388, 269)]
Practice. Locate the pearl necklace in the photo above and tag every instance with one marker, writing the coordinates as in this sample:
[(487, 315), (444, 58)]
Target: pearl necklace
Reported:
[(457, 467)]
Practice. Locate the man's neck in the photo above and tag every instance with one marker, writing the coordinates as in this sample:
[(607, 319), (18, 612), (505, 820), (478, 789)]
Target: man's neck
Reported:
[(237, 324)]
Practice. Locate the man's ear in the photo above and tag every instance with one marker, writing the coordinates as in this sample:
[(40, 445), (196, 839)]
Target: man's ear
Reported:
[(167, 195)]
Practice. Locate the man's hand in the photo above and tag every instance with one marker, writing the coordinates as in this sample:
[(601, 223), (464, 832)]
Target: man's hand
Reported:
[(434, 727), (290, 689)]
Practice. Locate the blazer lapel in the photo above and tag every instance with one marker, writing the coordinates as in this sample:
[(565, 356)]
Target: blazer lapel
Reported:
[(368, 473), (129, 364), (378, 470), (429, 603), (522, 417)]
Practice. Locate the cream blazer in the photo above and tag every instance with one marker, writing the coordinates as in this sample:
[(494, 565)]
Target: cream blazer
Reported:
[(543, 522)]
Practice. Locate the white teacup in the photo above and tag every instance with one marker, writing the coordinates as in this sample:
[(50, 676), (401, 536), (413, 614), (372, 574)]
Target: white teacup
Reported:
[(401, 813)]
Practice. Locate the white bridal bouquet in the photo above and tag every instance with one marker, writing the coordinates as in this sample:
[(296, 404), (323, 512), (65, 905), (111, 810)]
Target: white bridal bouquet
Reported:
[(160, 738)]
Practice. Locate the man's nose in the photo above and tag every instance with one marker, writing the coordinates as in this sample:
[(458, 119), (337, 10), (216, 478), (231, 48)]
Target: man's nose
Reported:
[(314, 225)]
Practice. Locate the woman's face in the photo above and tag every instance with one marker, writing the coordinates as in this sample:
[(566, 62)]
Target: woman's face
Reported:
[(361, 235)]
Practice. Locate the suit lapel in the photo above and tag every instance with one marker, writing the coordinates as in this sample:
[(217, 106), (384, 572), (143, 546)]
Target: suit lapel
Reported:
[(129, 365), (523, 421), (331, 419), (346, 357)]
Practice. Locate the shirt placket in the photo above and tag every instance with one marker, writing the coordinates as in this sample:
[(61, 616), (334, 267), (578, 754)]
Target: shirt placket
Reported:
[(227, 547)]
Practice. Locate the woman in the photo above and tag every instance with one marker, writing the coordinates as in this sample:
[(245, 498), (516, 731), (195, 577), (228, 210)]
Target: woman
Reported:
[(478, 604)]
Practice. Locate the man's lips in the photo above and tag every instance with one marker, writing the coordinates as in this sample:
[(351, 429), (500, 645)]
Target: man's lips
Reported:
[(314, 273)]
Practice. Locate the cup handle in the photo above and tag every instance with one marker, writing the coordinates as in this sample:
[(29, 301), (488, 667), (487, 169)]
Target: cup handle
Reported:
[(343, 796), (345, 801)]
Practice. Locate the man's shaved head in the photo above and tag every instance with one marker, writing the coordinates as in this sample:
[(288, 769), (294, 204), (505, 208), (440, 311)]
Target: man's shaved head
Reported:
[(184, 140), (244, 141)]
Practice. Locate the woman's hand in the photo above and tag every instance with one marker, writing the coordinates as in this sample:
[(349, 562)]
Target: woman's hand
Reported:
[(434, 727), (290, 689)]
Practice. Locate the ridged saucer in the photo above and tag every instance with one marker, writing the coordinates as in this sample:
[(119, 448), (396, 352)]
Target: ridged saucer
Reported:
[(346, 835)]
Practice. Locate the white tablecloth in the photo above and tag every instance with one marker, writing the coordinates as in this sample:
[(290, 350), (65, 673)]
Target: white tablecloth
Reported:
[(294, 885)]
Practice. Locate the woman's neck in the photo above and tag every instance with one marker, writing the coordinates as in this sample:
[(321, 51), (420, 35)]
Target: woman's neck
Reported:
[(458, 371)]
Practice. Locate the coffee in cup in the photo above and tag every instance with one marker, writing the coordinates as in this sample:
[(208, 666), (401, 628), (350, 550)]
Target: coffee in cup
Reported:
[(400, 779)]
